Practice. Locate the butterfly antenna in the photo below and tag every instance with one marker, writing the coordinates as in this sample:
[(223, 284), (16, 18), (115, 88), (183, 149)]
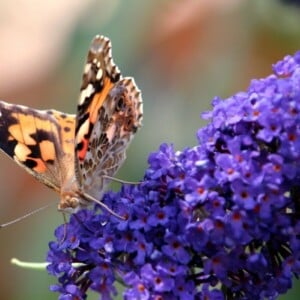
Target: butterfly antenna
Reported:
[(120, 180), (25, 216), (89, 197)]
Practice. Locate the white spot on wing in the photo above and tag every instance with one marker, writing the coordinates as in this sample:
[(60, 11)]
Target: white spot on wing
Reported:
[(99, 74), (87, 68), (87, 92), (84, 128)]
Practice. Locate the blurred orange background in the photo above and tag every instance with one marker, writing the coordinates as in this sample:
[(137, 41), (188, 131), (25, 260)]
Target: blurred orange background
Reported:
[(181, 54)]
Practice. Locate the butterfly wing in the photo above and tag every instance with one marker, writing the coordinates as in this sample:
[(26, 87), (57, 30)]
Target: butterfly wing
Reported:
[(109, 114), (38, 141)]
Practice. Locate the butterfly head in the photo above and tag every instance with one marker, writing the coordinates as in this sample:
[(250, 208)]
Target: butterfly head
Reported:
[(71, 202)]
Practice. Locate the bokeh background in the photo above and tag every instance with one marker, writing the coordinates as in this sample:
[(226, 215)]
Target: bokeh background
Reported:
[(181, 53)]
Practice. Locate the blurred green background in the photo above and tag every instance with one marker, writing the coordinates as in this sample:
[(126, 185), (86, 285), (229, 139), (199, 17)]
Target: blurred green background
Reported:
[(181, 54)]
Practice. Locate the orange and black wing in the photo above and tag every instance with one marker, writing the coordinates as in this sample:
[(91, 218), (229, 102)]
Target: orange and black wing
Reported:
[(37, 140), (109, 114)]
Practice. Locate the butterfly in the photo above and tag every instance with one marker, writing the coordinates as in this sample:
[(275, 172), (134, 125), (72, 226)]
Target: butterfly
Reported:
[(75, 155)]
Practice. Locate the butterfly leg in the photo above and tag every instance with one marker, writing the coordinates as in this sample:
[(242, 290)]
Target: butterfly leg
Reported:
[(92, 199), (121, 180)]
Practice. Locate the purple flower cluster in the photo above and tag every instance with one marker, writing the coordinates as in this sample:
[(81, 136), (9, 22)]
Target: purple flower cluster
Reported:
[(215, 221)]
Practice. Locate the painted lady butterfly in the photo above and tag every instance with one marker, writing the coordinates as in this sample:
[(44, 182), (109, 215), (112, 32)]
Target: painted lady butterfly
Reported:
[(73, 154)]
